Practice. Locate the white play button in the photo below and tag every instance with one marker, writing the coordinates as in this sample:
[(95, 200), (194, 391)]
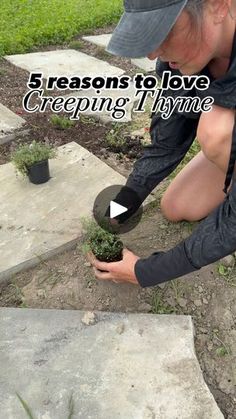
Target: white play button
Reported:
[(116, 209)]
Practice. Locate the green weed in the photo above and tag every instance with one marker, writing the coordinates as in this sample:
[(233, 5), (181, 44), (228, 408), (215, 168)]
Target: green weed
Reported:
[(223, 350), (28, 411), (75, 45), (228, 273), (158, 306), (62, 122), (26, 407), (115, 138)]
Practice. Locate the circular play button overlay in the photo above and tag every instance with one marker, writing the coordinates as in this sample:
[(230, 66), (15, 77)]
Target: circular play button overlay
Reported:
[(118, 209)]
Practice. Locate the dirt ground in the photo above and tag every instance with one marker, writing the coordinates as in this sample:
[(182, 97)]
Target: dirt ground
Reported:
[(67, 281)]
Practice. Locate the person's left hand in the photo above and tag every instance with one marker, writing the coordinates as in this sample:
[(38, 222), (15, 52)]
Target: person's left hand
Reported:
[(122, 271)]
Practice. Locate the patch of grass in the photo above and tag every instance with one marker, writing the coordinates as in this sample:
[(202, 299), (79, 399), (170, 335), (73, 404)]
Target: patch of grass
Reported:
[(62, 122), (228, 273), (54, 276), (2, 72), (75, 45), (28, 411), (18, 293), (177, 289), (188, 225), (25, 24), (223, 350), (23, 305), (158, 306), (102, 54), (26, 407)]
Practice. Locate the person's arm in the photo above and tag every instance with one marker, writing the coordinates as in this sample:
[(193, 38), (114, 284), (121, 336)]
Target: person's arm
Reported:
[(170, 141), (214, 238)]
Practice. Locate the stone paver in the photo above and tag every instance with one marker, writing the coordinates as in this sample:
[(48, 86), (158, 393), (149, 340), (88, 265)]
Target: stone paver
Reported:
[(103, 41), (134, 366), (44, 219), (64, 63), (145, 64), (9, 123), (106, 116), (100, 40)]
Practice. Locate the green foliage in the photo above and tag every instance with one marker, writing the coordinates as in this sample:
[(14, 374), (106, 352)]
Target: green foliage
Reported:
[(158, 306), (61, 122), (28, 23), (115, 139), (26, 407), (222, 351), (28, 154), (71, 407), (223, 270), (106, 246), (228, 273), (75, 44)]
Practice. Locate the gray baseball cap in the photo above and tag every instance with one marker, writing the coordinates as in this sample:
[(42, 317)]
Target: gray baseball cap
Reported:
[(144, 26)]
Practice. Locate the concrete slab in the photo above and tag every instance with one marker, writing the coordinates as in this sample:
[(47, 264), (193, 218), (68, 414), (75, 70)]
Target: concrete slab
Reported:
[(106, 116), (145, 64), (66, 62), (100, 40), (9, 122), (103, 40), (42, 220), (135, 366)]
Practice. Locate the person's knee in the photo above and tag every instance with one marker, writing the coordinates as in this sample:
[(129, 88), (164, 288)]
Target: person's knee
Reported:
[(174, 210), (171, 209)]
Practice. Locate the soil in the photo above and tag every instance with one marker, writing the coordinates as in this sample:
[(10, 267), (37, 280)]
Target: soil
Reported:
[(67, 281)]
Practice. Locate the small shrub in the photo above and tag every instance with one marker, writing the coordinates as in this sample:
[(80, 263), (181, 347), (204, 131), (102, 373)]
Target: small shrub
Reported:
[(106, 246), (61, 122), (115, 140), (27, 155)]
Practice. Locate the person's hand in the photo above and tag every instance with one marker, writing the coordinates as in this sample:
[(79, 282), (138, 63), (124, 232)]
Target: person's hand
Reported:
[(122, 271)]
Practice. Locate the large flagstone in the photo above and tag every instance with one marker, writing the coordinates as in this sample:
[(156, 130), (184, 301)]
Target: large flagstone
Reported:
[(67, 62), (111, 365)]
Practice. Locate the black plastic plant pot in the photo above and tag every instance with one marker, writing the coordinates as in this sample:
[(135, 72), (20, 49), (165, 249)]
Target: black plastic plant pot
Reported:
[(39, 172)]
